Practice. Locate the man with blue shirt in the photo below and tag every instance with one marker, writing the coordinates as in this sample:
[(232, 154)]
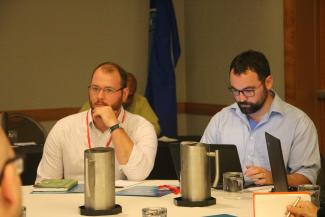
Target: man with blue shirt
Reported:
[(258, 109)]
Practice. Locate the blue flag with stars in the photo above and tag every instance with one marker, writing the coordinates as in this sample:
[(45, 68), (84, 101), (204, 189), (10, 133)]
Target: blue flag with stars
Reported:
[(163, 55)]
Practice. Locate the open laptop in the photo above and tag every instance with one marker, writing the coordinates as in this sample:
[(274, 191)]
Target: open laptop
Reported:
[(228, 160), (278, 168)]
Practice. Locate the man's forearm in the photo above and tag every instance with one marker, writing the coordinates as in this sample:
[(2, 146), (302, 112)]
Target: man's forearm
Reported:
[(296, 179), (123, 145)]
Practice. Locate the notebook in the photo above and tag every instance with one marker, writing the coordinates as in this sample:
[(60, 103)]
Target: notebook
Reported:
[(143, 191), (55, 185), (278, 168), (275, 203)]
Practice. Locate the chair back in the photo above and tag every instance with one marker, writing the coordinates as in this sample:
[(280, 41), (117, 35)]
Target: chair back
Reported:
[(28, 129), (321, 179)]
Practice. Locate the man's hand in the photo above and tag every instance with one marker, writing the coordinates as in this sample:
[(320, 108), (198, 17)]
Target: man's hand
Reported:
[(259, 175), (303, 208), (104, 117)]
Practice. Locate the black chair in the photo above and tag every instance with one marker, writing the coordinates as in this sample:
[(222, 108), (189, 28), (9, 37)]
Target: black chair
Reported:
[(28, 130), (321, 179), (164, 167), (167, 163)]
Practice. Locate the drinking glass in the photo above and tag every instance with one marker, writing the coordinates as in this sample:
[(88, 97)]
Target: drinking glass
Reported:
[(154, 212), (314, 191), (13, 136)]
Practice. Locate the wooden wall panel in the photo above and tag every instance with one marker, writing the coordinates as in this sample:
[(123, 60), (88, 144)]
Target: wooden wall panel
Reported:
[(304, 59), (322, 73)]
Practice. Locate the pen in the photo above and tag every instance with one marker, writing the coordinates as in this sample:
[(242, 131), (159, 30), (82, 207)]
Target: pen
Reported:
[(294, 204)]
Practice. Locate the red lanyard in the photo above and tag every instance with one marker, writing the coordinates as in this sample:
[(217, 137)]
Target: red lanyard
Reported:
[(88, 133)]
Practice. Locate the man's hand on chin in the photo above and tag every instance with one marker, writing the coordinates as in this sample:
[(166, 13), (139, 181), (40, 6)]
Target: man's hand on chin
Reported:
[(104, 117)]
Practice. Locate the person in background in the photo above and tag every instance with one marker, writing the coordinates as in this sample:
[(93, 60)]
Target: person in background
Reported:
[(10, 190), (258, 109), (105, 124), (136, 104)]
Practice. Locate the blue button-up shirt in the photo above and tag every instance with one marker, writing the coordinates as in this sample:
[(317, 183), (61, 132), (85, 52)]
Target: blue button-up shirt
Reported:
[(297, 132)]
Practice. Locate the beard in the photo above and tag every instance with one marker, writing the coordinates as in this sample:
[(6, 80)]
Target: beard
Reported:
[(250, 108), (99, 103)]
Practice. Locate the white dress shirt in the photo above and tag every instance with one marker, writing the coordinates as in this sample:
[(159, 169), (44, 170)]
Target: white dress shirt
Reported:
[(63, 155)]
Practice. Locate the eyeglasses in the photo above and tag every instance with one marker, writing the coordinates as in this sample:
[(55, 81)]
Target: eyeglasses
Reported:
[(249, 92), (18, 162), (107, 90)]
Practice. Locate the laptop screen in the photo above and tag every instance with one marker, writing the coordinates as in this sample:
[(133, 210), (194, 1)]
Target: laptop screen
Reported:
[(278, 168), (228, 160)]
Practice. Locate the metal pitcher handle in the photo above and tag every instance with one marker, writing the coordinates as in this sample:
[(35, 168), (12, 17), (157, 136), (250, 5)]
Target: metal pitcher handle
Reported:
[(215, 154)]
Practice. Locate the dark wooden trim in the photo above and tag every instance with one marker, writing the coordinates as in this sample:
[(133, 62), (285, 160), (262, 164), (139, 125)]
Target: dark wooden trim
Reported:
[(181, 107), (290, 52), (199, 108), (54, 114)]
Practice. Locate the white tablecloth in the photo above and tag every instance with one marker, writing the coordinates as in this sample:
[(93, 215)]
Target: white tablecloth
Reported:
[(67, 205)]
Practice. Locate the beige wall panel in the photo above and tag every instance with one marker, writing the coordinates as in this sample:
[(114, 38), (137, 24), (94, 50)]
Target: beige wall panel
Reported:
[(216, 31), (48, 48)]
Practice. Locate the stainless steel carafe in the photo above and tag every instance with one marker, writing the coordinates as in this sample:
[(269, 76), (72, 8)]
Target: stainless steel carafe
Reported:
[(99, 178), (195, 171)]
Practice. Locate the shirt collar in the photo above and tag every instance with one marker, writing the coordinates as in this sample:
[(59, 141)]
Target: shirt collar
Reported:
[(278, 105)]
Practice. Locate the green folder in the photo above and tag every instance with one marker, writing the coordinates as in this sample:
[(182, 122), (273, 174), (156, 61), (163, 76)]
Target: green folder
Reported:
[(55, 185)]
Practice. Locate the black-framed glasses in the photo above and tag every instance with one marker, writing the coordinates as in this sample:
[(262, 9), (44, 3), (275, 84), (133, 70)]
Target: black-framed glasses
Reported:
[(107, 90), (247, 92), (17, 161)]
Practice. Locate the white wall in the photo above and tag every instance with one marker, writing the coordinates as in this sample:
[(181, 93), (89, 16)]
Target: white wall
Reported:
[(215, 32), (48, 48)]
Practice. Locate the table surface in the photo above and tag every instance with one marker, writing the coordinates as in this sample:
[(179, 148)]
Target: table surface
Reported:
[(40, 205)]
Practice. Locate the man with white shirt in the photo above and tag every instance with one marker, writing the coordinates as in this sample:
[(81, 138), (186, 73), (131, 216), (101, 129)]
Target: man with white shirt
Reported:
[(105, 124), (258, 109)]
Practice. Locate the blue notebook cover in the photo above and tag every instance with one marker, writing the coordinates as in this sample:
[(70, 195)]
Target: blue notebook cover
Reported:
[(143, 191)]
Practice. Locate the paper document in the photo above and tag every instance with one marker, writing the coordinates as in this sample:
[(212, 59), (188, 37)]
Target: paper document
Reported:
[(125, 183), (275, 203), (24, 143), (267, 188), (221, 215), (167, 139), (76, 189)]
